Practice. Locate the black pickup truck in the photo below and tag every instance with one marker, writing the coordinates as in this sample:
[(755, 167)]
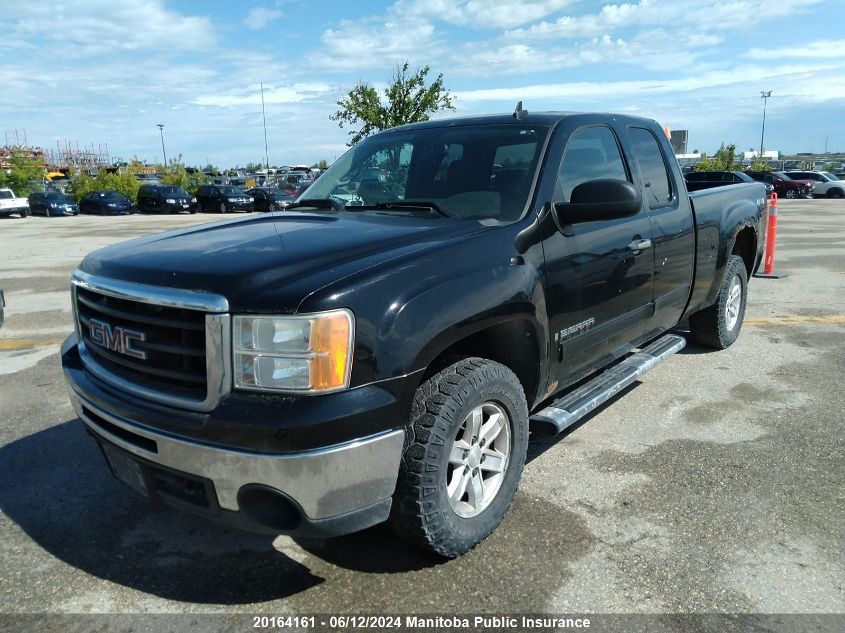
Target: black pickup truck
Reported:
[(376, 353)]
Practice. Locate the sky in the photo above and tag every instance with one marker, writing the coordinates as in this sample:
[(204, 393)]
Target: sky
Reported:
[(108, 71)]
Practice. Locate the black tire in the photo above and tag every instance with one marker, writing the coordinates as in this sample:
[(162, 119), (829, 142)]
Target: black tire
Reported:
[(421, 512), (836, 193), (47, 212), (223, 207), (711, 327), (791, 194)]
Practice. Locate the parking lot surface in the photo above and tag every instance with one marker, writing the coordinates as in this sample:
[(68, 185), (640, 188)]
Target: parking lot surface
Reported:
[(717, 484)]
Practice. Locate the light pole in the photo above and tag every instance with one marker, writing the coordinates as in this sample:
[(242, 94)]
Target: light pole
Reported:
[(764, 95), (160, 127)]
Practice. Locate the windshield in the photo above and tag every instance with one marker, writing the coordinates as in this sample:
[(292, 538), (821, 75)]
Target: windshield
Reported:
[(828, 175), (57, 197), (174, 191), (466, 171), (231, 191), (110, 195)]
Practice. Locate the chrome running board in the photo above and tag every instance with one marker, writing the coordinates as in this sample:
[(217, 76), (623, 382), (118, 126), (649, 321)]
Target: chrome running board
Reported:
[(572, 407)]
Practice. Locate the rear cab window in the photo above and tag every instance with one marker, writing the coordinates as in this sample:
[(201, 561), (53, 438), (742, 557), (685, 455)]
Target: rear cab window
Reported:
[(657, 182)]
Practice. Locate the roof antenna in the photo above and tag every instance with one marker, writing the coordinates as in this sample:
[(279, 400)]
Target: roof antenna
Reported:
[(519, 113)]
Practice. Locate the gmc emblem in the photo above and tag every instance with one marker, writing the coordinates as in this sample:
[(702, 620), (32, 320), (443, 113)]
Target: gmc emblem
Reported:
[(116, 339)]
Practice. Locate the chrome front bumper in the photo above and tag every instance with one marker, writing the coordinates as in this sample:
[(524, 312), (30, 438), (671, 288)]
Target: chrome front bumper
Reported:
[(324, 483)]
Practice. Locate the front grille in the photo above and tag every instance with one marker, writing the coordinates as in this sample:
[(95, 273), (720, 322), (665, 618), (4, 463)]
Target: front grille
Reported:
[(174, 343)]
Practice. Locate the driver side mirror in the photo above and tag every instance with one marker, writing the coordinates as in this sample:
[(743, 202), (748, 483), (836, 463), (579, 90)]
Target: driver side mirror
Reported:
[(597, 200)]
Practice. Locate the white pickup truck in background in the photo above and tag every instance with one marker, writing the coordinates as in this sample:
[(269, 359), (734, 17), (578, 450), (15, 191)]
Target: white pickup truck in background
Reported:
[(9, 204)]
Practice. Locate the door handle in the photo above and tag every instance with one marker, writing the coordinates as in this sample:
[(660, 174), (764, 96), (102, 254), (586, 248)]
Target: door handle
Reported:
[(639, 245)]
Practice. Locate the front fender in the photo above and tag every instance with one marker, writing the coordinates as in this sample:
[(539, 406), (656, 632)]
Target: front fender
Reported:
[(410, 309)]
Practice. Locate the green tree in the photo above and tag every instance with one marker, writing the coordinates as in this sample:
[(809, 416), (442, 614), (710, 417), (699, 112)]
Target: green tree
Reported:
[(178, 175), (408, 99), (25, 174), (125, 184), (321, 165), (760, 164), (723, 160)]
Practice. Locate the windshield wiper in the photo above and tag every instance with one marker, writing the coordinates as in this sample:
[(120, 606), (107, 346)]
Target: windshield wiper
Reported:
[(316, 203), (400, 205)]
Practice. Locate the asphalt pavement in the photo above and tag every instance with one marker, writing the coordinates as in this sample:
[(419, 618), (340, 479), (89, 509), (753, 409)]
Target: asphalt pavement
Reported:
[(715, 485)]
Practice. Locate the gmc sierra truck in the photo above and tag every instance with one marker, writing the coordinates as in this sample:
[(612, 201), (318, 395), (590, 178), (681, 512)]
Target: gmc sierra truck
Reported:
[(376, 352)]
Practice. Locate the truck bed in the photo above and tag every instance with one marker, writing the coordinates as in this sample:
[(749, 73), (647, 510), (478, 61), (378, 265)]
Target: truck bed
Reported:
[(743, 204)]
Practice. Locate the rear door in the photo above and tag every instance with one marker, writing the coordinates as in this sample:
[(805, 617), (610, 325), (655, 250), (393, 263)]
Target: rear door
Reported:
[(672, 230), (599, 277)]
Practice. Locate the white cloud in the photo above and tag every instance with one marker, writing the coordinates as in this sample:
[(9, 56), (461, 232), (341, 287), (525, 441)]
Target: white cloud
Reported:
[(655, 49), (378, 42), (259, 17), (497, 14), (821, 49), (702, 16), (408, 30), (742, 76), (272, 94), (98, 27)]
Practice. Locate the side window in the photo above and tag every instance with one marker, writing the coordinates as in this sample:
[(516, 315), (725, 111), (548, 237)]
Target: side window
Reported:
[(658, 188), (591, 154)]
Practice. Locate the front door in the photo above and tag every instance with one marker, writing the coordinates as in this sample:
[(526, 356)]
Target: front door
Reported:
[(599, 278)]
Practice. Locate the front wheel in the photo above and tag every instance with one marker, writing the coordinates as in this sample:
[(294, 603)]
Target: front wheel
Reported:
[(836, 193), (222, 207), (718, 326), (791, 194), (460, 471)]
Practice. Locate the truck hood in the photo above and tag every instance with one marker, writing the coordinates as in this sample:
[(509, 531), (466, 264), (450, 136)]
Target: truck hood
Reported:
[(283, 255)]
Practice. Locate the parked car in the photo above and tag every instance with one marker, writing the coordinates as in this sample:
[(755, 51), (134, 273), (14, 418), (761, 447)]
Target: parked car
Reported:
[(270, 198), (52, 203), (784, 186), (222, 379), (697, 180), (223, 199), (11, 204), (165, 199), (302, 186), (293, 177), (826, 185), (105, 202)]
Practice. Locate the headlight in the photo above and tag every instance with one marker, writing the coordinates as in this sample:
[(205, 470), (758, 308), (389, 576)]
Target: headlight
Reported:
[(306, 354), (252, 199), (193, 200), (112, 204), (232, 199), (170, 200)]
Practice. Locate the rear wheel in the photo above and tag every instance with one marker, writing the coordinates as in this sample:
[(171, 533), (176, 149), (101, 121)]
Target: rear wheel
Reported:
[(459, 473), (718, 326)]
